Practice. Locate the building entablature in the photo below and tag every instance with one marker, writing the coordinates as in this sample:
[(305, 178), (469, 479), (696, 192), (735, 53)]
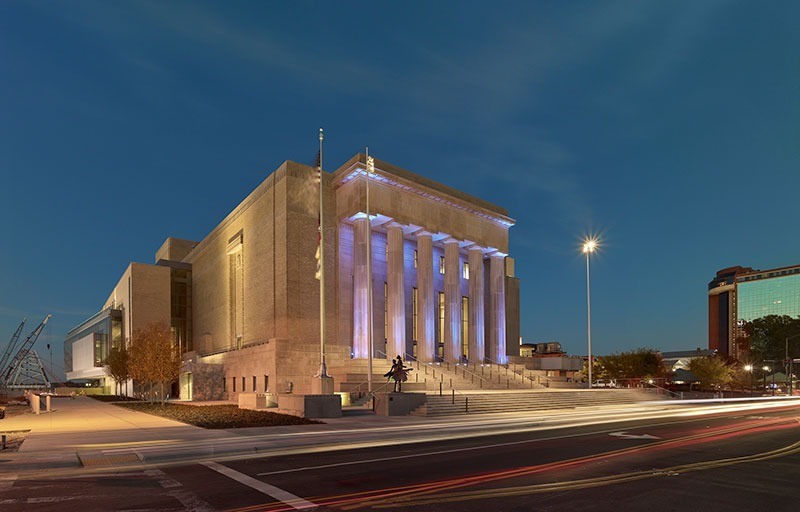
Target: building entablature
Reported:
[(399, 180), (380, 224)]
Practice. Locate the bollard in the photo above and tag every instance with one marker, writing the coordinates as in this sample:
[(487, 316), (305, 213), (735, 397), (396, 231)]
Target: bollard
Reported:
[(440, 388), (3, 442), (454, 397), (466, 404)]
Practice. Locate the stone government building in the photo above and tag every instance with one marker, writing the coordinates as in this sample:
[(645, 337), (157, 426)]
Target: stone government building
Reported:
[(244, 302)]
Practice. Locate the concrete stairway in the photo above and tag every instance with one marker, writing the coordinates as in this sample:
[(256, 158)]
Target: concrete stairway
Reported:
[(518, 401), (352, 376)]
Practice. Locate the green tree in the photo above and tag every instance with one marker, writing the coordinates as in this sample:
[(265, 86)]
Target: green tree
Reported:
[(154, 357), (767, 336), (633, 364), (117, 365), (712, 371)]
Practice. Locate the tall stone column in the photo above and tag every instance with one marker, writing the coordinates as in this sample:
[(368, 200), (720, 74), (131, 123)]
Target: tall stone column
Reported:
[(477, 345), (497, 306), (426, 307), (396, 307), (452, 301), (360, 291)]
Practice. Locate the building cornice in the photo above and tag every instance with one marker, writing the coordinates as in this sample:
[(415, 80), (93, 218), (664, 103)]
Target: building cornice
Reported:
[(407, 181)]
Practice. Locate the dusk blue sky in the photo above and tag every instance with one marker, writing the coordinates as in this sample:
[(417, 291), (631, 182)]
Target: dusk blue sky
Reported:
[(670, 129)]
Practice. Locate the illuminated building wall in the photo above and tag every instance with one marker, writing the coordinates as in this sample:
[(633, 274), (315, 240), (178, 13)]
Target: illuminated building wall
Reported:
[(244, 301)]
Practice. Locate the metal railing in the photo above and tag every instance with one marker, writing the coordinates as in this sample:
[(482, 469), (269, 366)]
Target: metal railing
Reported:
[(443, 368), (665, 391), (531, 379)]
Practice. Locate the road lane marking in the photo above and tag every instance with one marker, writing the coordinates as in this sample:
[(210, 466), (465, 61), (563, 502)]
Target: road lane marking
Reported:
[(43, 499), (263, 487), (625, 435), (7, 481), (174, 489)]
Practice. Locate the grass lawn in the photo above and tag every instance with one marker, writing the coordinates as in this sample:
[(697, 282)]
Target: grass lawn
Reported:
[(215, 416)]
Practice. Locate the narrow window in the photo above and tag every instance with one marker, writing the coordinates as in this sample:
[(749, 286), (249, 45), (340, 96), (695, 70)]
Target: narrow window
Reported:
[(465, 327), (254, 383), (465, 271), (441, 264), (243, 386), (416, 258), (385, 311), (266, 383), (236, 289), (441, 317), (224, 384), (234, 383), (414, 313)]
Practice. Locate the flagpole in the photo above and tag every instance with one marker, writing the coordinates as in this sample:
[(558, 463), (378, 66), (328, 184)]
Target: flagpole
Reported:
[(323, 371), (322, 383), (370, 170)]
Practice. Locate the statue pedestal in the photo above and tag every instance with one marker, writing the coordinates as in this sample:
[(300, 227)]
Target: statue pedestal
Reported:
[(398, 404), (311, 406), (322, 385)]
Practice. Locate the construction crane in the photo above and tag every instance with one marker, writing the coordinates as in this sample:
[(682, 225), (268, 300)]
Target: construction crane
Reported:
[(21, 361), (10, 347)]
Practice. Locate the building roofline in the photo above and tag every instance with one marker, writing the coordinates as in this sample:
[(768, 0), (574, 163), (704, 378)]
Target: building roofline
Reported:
[(423, 185)]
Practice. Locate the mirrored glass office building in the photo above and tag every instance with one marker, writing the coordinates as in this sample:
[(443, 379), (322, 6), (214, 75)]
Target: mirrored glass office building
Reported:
[(742, 294)]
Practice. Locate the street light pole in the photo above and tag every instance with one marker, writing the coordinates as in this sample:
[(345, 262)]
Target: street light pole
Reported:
[(589, 246), (789, 365), (749, 368)]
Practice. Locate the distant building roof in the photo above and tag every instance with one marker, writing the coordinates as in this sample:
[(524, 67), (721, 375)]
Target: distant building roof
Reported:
[(680, 354)]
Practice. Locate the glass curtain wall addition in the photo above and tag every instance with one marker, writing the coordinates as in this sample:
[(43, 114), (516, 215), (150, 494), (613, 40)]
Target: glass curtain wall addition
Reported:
[(106, 330)]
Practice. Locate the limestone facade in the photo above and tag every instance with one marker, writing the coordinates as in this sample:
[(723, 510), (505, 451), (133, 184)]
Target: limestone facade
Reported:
[(442, 284)]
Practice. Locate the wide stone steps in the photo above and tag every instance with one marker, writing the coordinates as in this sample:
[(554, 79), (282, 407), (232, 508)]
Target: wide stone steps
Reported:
[(475, 377), (485, 403)]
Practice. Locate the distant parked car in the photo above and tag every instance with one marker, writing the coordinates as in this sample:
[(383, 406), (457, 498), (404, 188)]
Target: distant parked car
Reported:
[(603, 383)]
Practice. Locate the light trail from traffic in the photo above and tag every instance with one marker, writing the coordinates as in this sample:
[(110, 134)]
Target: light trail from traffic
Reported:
[(420, 494)]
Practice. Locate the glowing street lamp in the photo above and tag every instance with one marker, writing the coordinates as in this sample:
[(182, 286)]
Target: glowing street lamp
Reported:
[(749, 368), (589, 246)]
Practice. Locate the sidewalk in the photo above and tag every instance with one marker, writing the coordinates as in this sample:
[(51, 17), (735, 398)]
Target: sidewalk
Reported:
[(90, 433), (84, 425)]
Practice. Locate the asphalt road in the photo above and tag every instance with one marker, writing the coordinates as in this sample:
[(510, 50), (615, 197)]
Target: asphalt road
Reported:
[(737, 460)]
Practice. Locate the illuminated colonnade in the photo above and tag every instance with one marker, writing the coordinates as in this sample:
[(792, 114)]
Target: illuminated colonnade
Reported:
[(456, 252)]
